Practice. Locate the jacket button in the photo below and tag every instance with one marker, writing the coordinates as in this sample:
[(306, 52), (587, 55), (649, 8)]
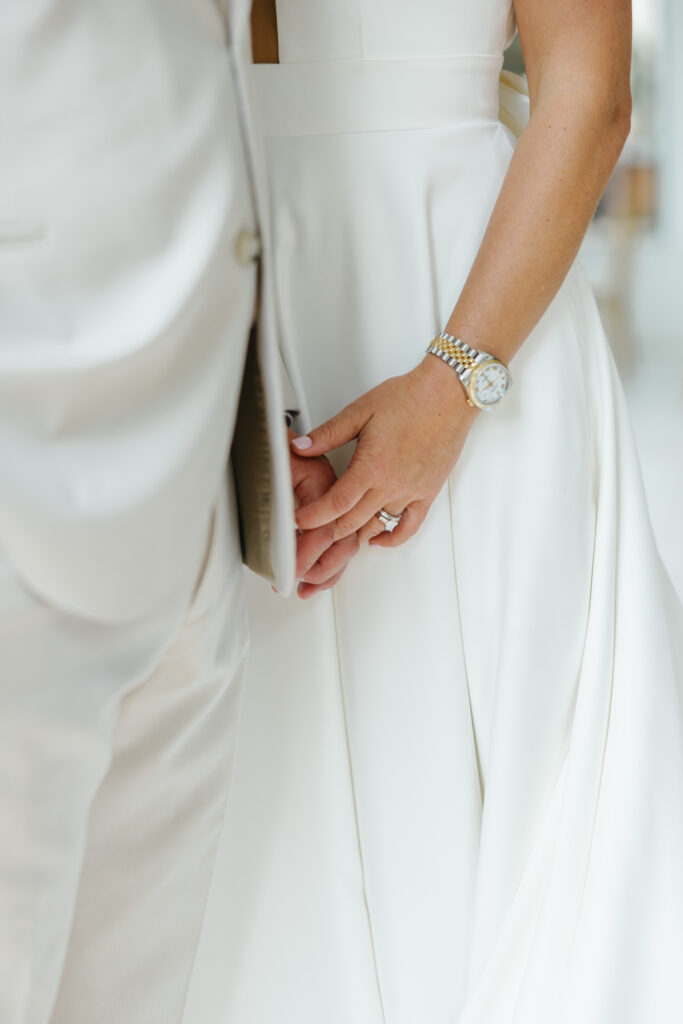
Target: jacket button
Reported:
[(247, 247)]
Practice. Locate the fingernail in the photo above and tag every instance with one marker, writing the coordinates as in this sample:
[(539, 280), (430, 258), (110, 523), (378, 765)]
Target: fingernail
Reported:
[(302, 443)]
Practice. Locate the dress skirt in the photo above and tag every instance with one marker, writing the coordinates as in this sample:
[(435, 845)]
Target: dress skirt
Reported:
[(459, 796)]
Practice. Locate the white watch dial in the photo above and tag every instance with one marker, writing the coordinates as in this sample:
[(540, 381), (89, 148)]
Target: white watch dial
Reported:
[(489, 383)]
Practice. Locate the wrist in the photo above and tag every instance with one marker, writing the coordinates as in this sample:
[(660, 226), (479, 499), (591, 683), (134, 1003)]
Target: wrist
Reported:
[(445, 386)]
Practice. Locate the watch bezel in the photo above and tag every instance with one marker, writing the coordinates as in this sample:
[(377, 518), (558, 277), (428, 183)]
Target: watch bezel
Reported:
[(473, 376)]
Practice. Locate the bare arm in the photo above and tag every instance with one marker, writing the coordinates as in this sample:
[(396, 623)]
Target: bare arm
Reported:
[(577, 54), (411, 429)]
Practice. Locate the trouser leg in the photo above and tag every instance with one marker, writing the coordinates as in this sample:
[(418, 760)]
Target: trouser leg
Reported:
[(60, 683), (116, 755)]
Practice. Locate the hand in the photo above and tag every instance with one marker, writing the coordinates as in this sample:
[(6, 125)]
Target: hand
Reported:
[(321, 559), (410, 432)]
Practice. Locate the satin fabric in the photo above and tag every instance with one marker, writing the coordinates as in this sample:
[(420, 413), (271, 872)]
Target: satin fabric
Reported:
[(459, 790)]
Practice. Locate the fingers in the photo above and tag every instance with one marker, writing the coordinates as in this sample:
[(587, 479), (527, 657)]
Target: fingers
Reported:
[(360, 514), (324, 573), (340, 499), (411, 521), (332, 561), (374, 526), (310, 546), (371, 529), (306, 590), (341, 429), (310, 478)]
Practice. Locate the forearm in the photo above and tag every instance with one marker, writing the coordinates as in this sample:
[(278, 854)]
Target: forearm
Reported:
[(555, 179)]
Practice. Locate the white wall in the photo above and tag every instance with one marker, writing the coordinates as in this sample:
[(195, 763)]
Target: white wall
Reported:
[(657, 299), (659, 281)]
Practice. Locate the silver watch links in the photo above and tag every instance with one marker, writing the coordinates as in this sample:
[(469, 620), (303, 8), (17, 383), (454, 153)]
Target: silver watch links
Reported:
[(484, 378)]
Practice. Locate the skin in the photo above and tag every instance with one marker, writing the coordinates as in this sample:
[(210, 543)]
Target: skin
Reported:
[(320, 559), (411, 429)]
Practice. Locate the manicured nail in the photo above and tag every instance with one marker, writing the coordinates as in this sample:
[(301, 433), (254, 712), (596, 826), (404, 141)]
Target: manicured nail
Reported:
[(302, 443)]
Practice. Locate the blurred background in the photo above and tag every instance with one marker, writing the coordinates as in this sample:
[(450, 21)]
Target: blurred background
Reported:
[(633, 254)]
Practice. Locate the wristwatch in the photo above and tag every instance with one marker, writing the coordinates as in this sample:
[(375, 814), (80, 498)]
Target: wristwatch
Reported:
[(485, 378)]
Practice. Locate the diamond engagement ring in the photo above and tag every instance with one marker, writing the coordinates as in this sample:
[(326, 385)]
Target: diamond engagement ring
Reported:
[(390, 522)]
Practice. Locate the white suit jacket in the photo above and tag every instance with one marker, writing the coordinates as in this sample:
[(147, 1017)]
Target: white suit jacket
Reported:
[(130, 196)]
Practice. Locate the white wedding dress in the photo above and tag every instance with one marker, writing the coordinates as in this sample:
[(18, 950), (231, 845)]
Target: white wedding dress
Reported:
[(459, 791)]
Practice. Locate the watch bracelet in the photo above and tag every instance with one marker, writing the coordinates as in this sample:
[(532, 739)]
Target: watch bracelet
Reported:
[(459, 356), (463, 353), (462, 358)]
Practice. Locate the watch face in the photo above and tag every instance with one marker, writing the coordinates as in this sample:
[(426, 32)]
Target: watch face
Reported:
[(490, 381)]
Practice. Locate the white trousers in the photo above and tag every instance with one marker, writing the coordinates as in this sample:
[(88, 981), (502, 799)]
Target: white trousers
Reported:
[(116, 748)]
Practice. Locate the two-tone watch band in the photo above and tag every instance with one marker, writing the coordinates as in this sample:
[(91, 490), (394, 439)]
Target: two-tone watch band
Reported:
[(459, 355), (484, 378)]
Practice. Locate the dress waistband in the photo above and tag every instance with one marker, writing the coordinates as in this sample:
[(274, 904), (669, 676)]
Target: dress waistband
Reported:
[(336, 97)]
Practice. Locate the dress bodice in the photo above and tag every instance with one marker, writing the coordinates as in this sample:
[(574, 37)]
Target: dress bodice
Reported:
[(312, 30)]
